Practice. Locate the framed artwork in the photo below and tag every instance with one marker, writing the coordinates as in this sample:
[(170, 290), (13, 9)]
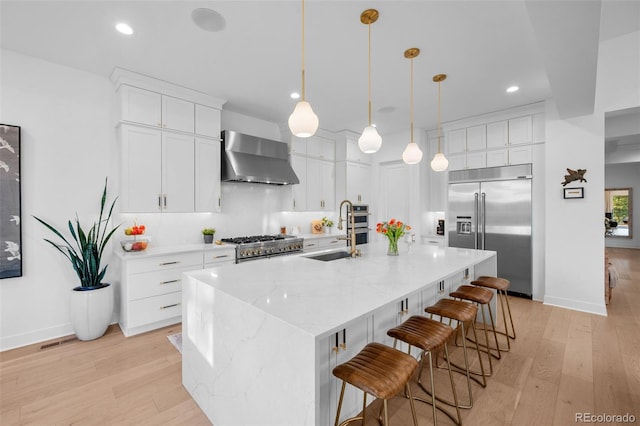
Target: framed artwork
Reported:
[(10, 209), (574, 192)]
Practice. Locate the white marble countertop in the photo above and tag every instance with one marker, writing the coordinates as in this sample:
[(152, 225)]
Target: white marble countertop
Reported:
[(167, 250), (320, 297)]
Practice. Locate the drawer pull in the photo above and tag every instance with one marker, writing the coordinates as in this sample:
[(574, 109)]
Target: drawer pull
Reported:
[(175, 262), (169, 282), (220, 256), (169, 306)]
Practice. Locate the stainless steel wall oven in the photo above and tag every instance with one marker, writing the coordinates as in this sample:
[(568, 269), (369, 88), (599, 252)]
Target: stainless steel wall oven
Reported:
[(361, 216)]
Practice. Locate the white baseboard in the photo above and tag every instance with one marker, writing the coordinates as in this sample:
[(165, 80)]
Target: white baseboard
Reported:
[(576, 305)]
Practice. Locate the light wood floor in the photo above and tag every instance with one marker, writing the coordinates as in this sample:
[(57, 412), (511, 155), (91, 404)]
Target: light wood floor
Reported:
[(562, 363)]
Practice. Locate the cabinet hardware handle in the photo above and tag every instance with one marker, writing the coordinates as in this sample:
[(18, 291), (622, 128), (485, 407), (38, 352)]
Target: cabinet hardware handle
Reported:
[(343, 345), (175, 262), (169, 282), (220, 256), (165, 200), (336, 348), (159, 124), (218, 201), (294, 204), (160, 201), (169, 306)]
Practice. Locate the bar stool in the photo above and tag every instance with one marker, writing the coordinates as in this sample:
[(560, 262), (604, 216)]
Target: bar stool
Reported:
[(380, 371), (500, 285), (429, 336), (463, 313), (482, 297)]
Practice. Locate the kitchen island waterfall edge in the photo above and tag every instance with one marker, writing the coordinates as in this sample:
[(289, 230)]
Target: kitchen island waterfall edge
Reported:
[(260, 339)]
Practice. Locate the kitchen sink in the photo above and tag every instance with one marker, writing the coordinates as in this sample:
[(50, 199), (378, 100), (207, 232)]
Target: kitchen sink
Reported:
[(325, 257)]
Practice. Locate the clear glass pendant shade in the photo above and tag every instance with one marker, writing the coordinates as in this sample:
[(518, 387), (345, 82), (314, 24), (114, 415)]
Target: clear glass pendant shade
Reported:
[(303, 122), (412, 153), (439, 162), (370, 141)]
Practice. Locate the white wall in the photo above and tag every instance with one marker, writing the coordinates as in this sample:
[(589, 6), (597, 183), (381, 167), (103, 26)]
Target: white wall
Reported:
[(68, 147), (626, 176), (574, 238)]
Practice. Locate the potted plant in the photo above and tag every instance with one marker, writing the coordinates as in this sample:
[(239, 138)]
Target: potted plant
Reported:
[(92, 301), (207, 234), (327, 223)]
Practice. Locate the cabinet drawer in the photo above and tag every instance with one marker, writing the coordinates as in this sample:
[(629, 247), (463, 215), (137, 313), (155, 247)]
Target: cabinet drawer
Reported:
[(219, 256), (154, 283), (162, 263), (153, 309)]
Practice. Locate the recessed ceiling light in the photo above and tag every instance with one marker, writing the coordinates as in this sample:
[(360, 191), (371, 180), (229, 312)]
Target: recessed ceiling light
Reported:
[(513, 89), (208, 19), (124, 28), (295, 95)]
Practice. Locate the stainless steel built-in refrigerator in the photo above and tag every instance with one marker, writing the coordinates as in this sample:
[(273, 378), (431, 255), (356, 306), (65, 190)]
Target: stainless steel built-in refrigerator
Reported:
[(490, 209)]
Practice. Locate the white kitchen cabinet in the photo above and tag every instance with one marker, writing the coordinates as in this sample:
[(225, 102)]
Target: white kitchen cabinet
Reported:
[(207, 121), (154, 109), (538, 128), (437, 186), (298, 145), (456, 141), (157, 170), (226, 256), (207, 175), (340, 347), (358, 182), (354, 153), (319, 147), (457, 162), (320, 185), (476, 138), (520, 130), (470, 160), (140, 106), (497, 134), (151, 290), (519, 154), (322, 243), (299, 191)]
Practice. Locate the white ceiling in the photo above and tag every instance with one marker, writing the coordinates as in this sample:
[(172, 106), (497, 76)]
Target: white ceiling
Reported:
[(548, 48)]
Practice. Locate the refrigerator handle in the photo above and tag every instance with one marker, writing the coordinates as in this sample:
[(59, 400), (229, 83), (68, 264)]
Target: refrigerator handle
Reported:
[(484, 219), (476, 209)]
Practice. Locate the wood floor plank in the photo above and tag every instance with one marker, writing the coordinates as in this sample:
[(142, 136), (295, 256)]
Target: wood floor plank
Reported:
[(561, 363)]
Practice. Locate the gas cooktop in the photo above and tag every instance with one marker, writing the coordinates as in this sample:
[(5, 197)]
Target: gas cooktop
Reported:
[(253, 239), (261, 246)]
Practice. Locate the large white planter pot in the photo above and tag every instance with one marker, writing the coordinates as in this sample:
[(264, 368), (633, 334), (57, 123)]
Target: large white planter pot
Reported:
[(91, 311)]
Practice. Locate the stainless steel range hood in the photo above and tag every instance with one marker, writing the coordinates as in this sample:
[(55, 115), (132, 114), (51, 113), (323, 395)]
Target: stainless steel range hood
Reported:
[(248, 158)]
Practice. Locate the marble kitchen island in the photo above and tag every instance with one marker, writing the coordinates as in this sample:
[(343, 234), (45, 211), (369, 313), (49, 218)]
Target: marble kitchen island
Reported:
[(261, 338)]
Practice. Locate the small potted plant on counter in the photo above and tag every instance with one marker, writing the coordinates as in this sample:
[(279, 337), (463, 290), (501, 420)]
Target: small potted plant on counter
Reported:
[(327, 223), (207, 234)]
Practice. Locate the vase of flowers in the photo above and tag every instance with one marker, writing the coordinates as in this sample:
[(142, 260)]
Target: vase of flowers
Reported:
[(393, 230)]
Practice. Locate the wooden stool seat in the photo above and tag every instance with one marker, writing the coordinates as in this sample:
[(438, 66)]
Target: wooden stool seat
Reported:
[(380, 371), (475, 294), (495, 283), (429, 336), (501, 285), (464, 313)]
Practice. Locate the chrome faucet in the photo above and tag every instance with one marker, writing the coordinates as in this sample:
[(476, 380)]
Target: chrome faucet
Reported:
[(350, 234)]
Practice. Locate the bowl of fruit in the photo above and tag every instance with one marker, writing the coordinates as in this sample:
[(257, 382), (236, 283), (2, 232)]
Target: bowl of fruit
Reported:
[(138, 243)]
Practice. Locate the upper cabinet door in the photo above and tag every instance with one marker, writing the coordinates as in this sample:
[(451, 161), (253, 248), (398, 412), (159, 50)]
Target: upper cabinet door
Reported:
[(456, 141), (178, 172), (140, 106), (207, 175), (497, 134), (476, 138), (177, 114), (207, 121), (520, 130)]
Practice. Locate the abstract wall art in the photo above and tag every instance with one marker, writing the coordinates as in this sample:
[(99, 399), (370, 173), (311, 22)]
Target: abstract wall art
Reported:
[(10, 209)]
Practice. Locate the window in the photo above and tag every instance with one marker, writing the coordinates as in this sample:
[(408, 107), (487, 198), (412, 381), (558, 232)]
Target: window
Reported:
[(618, 214)]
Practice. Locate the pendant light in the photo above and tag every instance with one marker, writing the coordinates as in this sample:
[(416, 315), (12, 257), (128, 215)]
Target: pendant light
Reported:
[(370, 141), (303, 122), (412, 153), (439, 162)]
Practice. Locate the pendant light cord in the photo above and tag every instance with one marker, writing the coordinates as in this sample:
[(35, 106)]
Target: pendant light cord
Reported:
[(411, 97), (369, 66), (439, 125), (303, 88)]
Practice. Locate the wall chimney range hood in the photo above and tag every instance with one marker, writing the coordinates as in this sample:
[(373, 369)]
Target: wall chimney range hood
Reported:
[(247, 158)]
